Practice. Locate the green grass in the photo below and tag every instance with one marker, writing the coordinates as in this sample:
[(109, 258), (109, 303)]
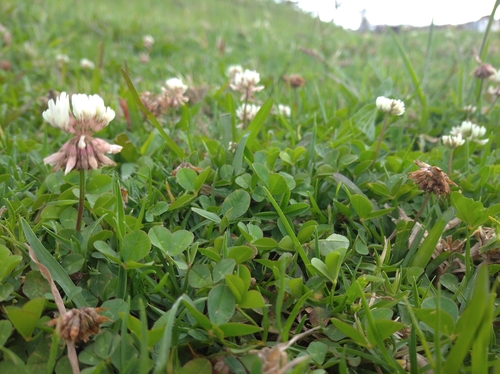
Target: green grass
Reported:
[(287, 230)]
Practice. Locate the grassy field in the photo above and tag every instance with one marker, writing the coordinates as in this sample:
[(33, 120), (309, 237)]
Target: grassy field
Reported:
[(300, 242)]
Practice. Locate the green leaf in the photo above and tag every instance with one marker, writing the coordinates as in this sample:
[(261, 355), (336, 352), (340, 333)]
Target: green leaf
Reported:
[(208, 215), (169, 243), (469, 211), (265, 244), (186, 178), (317, 351), (238, 202), (197, 366), (334, 242), (136, 246), (56, 270), (35, 285), (256, 124), (242, 253), (351, 332), (385, 327), (252, 299), (5, 331), (106, 250), (430, 317), (361, 205), (222, 268), (277, 184), (220, 304), (199, 276), (26, 318), (236, 285), (231, 329), (424, 253)]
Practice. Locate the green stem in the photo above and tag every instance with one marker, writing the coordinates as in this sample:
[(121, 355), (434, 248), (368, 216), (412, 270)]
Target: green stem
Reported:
[(81, 201), (421, 210), (381, 136), (450, 162)]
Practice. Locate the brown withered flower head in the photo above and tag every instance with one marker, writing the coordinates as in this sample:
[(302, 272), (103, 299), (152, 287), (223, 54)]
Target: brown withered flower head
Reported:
[(156, 104), (483, 71), (78, 324), (294, 80), (431, 179)]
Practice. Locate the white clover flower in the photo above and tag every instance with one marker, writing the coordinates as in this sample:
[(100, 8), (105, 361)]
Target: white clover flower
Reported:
[(495, 77), (284, 110), (232, 70), (148, 41), (89, 116), (247, 113), (391, 106), (469, 109), (85, 63), (453, 141), (246, 82), (58, 113), (470, 131), (494, 90), (174, 92), (62, 59)]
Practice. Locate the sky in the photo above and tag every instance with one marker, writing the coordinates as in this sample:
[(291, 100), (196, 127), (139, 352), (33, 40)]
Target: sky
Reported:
[(399, 12)]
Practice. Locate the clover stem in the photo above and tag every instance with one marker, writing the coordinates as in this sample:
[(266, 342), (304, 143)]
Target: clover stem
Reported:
[(381, 136), (81, 201)]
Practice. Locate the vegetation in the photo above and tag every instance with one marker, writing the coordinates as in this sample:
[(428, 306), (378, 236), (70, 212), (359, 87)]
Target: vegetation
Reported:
[(301, 242)]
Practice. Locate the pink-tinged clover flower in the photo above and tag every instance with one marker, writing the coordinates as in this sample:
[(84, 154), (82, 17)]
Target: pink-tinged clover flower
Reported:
[(89, 115), (246, 83), (174, 91)]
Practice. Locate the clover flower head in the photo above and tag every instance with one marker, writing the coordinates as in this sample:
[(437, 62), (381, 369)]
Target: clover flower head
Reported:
[(494, 90), (391, 106), (284, 110), (495, 77), (484, 71), (88, 116), (431, 179), (247, 113), (294, 80), (144, 58), (62, 59), (232, 70), (174, 92), (470, 131), (469, 109), (453, 141), (85, 63), (246, 83), (148, 41)]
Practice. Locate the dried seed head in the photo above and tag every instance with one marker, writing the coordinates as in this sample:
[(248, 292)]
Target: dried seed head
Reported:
[(78, 324), (294, 80), (431, 179), (484, 71)]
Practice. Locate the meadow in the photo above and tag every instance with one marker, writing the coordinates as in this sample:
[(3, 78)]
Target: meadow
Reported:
[(253, 191)]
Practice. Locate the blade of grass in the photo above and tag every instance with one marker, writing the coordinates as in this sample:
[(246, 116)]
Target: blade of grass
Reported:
[(424, 253), (56, 270), (257, 123), (174, 147), (471, 321), (415, 80)]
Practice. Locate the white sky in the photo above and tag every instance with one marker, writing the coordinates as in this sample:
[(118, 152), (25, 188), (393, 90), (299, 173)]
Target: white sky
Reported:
[(399, 12)]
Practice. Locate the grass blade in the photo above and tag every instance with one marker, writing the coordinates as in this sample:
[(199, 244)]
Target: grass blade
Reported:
[(56, 270), (174, 147)]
